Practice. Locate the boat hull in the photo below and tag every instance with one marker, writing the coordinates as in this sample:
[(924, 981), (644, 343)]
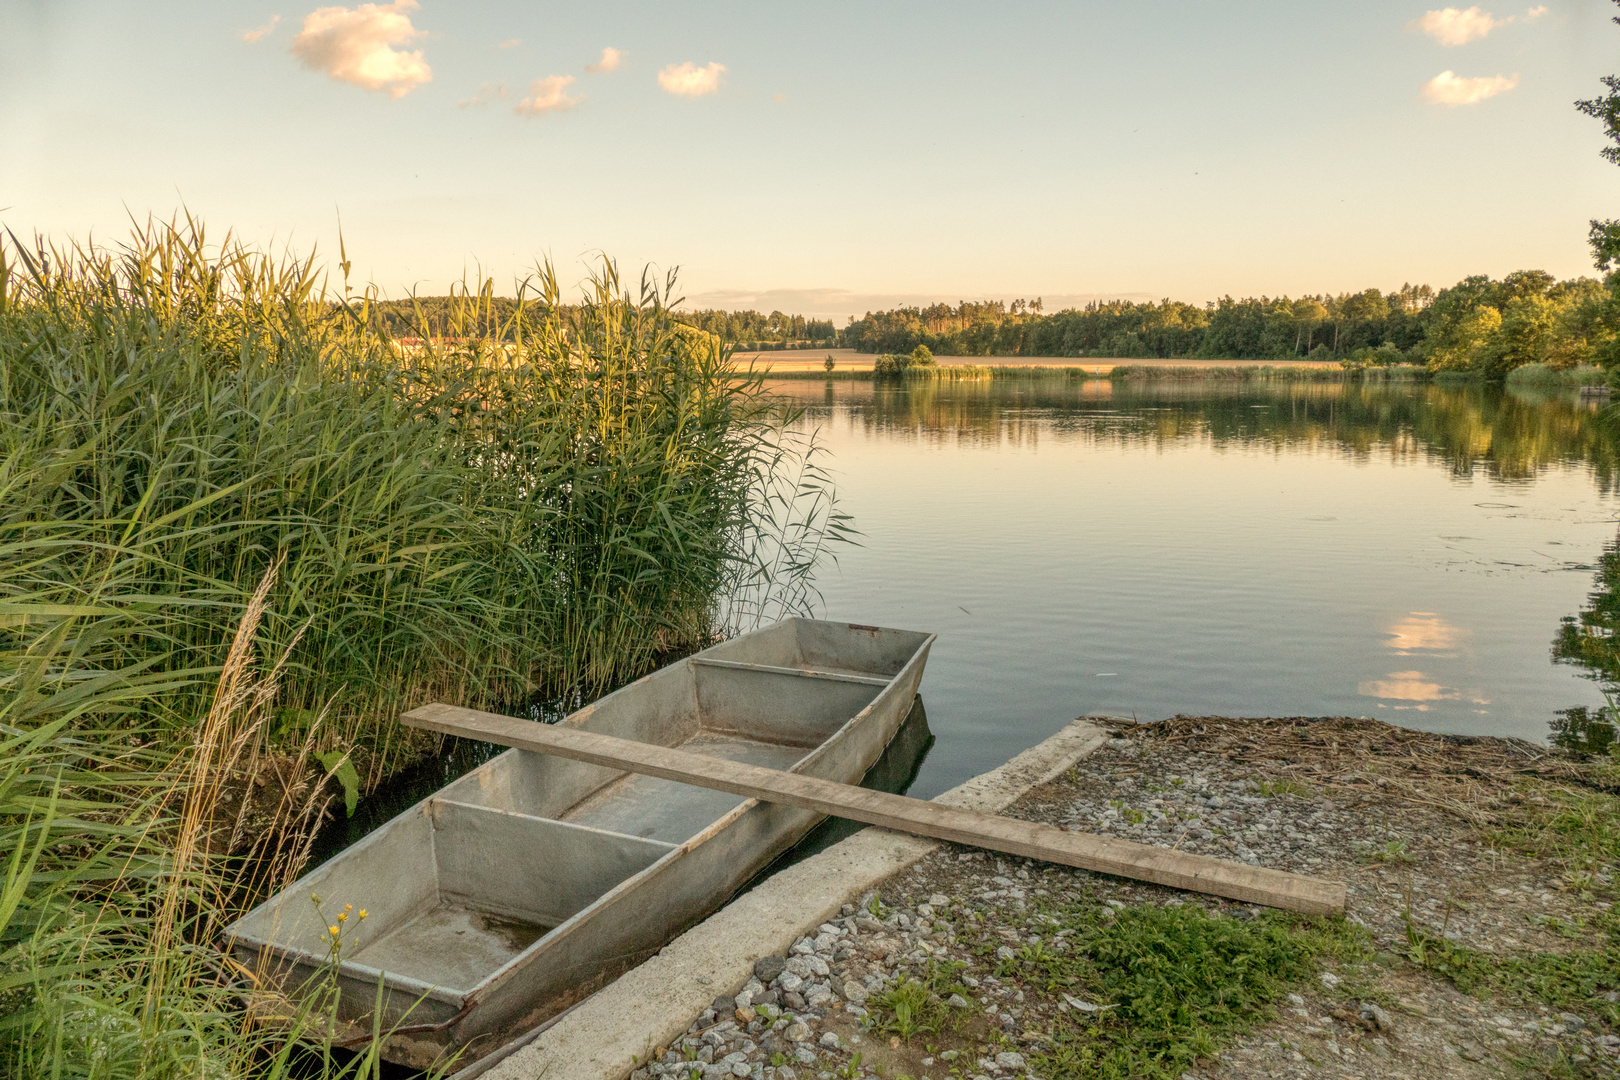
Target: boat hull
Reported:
[(601, 867)]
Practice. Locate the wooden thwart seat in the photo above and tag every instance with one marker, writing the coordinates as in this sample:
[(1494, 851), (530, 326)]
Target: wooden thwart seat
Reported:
[(1162, 866), (807, 673)]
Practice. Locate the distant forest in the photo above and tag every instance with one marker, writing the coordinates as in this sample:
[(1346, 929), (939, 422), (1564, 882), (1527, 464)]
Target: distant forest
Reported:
[(1478, 324), (444, 316)]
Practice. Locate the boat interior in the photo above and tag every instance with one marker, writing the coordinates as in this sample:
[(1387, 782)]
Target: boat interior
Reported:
[(467, 880)]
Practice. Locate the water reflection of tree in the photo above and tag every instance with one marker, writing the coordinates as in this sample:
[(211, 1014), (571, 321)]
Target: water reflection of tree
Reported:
[(1508, 435), (1589, 640)]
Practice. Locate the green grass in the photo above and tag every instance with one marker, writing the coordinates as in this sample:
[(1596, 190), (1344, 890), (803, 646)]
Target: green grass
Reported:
[(1177, 983), (922, 1006), (1173, 984), (1575, 980), (1577, 830)]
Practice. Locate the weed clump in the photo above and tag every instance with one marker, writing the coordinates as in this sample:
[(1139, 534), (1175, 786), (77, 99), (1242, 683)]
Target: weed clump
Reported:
[(1163, 986)]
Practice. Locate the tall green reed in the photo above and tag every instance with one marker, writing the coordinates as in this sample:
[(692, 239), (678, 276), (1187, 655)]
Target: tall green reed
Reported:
[(533, 503), (121, 863), (207, 457)]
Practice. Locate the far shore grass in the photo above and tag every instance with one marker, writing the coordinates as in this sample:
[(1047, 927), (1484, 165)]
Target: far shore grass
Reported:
[(1120, 372)]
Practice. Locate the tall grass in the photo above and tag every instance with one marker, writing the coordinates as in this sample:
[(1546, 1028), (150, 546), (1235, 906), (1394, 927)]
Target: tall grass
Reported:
[(546, 508), (122, 861)]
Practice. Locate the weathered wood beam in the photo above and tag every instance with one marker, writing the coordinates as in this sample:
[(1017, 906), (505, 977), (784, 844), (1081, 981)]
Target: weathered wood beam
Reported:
[(1103, 854)]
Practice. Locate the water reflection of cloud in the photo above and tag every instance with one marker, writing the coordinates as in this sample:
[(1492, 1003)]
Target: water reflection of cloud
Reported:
[(1424, 632), (1407, 686), (1416, 691)]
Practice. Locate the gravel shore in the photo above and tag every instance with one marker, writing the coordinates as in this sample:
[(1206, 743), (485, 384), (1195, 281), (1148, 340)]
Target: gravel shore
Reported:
[(966, 942)]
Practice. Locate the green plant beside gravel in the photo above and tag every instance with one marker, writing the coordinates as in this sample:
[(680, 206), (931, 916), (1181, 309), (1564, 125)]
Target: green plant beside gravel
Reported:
[(1170, 984), (1578, 830), (922, 1006)]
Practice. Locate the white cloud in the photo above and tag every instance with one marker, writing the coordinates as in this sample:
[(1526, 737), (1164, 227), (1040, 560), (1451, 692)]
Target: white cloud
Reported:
[(1535, 13), (510, 43), (486, 93), (1449, 88), (689, 80), (549, 94), (356, 46), (1449, 26), (260, 32), (611, 58)]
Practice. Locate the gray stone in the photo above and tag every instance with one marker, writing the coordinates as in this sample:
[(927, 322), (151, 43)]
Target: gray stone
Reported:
[(1380, 1019), (1010, 1060), (854, 993), (724, 1005), (767, 968), (957, 1001), (798, 1031), (829, 1039)]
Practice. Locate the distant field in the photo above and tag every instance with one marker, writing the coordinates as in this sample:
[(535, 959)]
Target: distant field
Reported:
[(850, 360)]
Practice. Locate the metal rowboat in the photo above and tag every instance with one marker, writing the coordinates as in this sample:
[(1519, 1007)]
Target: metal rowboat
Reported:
[(524, 886)]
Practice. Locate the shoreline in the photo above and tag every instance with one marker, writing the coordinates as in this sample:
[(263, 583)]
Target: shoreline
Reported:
[(1480, 939), (810, 361)]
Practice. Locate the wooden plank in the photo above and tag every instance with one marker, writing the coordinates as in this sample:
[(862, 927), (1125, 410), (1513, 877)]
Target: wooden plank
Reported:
[(1177, 869), (808, 673)]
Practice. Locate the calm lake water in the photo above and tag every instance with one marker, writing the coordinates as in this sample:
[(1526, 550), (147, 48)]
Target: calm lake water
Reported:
[(1404, 552)]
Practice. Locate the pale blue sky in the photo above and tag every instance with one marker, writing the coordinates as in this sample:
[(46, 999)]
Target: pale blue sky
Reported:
[(917, 151)]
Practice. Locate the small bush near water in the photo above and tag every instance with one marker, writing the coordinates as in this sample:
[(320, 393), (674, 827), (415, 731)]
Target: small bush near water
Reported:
[(241, 527)]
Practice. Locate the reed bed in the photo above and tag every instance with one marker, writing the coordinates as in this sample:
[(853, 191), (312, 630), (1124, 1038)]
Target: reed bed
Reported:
[(242, 526), (1546, 376), (544, 509), (1260, 373)]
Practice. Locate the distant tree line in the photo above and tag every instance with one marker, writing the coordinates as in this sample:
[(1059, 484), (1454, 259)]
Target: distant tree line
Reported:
[(750, 328), (487, 315), (1479, 324)]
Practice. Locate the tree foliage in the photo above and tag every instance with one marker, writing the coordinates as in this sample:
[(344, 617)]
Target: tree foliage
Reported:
[(1480, 325), (1605, 108)]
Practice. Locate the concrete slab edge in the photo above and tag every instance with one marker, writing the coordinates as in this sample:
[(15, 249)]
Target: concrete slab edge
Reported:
[(612, 1033)]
